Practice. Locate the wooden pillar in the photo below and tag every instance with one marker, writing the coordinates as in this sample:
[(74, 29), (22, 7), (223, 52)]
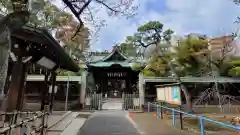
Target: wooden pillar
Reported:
[(53, 90), (105, 85), (130, 84), (16, 89), (141, 90), (101, 83), (83, 88), (44, 91), (126, 84)]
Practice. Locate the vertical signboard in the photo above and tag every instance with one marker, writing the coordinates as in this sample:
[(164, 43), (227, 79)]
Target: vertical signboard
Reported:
[(176, 95), (170, 93)]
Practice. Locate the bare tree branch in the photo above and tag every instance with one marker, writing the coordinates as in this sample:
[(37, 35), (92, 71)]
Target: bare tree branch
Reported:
[(91, 15), (113, 9), (80, 7)]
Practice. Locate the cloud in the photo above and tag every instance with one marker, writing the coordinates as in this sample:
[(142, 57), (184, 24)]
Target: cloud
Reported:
[(211, 17)]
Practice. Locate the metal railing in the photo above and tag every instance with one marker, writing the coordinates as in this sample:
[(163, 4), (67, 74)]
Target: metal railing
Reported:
[(202, 119), (25, 125)]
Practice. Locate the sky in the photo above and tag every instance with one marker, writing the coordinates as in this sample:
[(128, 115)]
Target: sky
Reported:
[(210, 17)]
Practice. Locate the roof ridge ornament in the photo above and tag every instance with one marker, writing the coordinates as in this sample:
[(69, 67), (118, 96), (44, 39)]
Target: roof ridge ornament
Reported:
[(116, 48)]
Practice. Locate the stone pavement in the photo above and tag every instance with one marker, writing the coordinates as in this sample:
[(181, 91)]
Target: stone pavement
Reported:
[(112, 104), (62, 124), (68, 124), (56, 117), (151, 125), (74, 127), (111, 122)]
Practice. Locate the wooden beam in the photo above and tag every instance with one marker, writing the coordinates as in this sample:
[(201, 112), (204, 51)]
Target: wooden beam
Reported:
[(32, 78)]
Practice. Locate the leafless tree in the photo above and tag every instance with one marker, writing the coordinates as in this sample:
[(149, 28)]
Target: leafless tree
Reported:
[(88, 10)]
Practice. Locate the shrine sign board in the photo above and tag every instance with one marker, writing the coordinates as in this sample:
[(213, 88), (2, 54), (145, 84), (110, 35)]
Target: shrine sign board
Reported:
[(169, 93)]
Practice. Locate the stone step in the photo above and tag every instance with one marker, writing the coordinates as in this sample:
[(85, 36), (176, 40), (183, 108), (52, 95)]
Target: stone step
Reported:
[(62, 125), (56, 117), (112, 106), (53, 119), (74, 127)]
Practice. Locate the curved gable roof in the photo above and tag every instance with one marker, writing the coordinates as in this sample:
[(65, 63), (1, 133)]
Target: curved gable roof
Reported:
[(107, 61)]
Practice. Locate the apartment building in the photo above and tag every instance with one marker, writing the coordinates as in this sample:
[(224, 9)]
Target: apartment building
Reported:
[(197, 35), (220, 45)]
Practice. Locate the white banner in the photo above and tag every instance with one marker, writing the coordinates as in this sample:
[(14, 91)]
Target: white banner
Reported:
[(161, 94), (50, 89), (169, 93)]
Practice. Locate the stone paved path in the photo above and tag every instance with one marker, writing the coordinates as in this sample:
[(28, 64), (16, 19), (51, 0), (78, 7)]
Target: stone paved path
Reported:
[(111, 122), (112, 104)]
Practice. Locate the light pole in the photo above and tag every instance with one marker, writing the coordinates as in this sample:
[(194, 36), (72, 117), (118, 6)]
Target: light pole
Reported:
[(66, 101)]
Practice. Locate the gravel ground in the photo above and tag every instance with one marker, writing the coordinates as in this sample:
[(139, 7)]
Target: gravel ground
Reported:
[(151, 125)]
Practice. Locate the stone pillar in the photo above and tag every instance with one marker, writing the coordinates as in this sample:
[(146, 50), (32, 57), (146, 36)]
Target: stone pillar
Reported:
[(83, 87), (44, 91), (17, 87), (141, 90), (53, 92)]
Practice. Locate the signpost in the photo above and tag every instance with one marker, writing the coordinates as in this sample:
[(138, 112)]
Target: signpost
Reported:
[(66, 100), (170, 93)]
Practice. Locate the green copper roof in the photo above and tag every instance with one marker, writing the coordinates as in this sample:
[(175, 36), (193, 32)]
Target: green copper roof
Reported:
[(106, 61), (96, 58), (114, 52), (108, 64)]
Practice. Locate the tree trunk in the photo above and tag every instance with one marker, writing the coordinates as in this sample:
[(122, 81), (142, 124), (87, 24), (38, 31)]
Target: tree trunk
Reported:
[(188, 98), (215, 74), (183, 88), (8, 23), (186, 93), (5, 43)]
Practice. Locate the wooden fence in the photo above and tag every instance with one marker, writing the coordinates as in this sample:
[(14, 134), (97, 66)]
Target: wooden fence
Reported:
[(131, 101), (24, 123), (94, 101)]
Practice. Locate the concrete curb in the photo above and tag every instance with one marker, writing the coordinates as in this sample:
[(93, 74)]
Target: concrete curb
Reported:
[(134, 124), (70, 121)]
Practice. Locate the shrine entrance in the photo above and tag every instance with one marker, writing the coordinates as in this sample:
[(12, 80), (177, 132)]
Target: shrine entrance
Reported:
[(116, 86), (112, 73), (113, 81)]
